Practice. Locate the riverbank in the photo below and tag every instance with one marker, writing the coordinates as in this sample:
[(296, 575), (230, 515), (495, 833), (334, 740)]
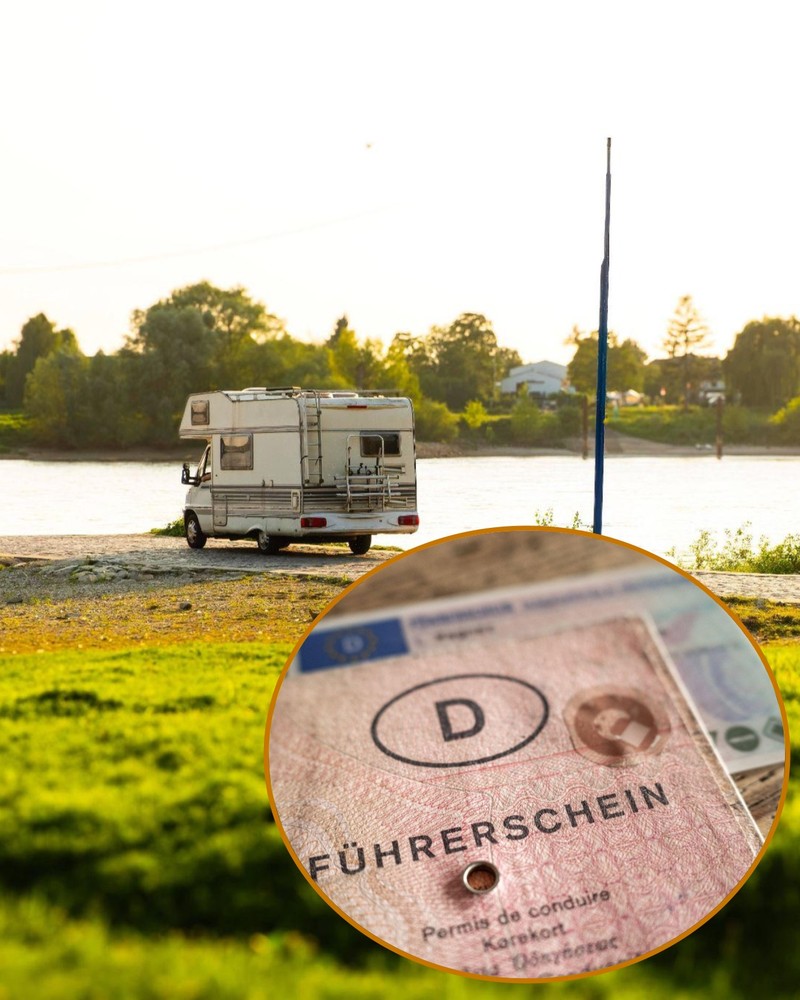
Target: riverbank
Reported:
[(41, 568), (616, 444)]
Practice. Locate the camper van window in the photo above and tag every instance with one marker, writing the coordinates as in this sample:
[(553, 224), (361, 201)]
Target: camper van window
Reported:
[(371, 444), (236, 451), (205, 469), (199, 413)]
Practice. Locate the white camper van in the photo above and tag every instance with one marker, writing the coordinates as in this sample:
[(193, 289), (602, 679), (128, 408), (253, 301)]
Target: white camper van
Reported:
[(289, 464)]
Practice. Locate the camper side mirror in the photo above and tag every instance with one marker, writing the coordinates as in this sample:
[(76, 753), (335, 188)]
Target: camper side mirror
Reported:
[(187, 479)]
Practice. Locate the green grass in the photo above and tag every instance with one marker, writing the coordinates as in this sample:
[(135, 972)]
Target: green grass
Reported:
[(738, 552), (138, 857)]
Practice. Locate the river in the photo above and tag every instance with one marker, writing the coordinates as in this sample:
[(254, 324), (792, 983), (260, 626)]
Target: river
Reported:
[(658, 503)]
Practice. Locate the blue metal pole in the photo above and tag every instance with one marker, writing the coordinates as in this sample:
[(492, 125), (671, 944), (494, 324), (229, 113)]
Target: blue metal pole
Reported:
[(602, 363)]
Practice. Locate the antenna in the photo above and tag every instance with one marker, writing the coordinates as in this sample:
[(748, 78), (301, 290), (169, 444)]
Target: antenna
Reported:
[(602, 362)]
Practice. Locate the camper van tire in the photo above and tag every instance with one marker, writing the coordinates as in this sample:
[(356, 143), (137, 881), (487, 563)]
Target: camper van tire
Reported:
[(270, 544), (194, 533), (360, 545)]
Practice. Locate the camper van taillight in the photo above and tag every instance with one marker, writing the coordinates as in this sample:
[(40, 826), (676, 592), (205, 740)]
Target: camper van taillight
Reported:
[(313, 522), (408, 519)]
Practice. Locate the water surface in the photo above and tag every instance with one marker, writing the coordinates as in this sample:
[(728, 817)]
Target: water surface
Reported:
[(657, 503)]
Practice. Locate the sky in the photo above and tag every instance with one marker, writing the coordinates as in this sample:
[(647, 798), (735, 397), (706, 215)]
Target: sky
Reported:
[(401, 164)]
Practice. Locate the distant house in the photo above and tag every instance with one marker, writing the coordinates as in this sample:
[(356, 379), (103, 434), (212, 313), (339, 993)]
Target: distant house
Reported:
[(710, 391), (628, 398), (542, 378)]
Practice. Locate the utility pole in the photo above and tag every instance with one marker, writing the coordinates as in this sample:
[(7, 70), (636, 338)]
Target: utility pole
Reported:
[(602, 361)]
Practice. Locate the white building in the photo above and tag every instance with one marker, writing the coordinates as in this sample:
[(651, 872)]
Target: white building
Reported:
[(543, 378)]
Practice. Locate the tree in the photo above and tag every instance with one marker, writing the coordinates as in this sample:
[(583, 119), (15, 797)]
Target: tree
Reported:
[(762, 368), (233, 320), (686, 333), (342, 324), (37, 339), (625, 364), (176, 351), (398, 375), (353, 365), (664, 377), (57, 400), (459, 362)]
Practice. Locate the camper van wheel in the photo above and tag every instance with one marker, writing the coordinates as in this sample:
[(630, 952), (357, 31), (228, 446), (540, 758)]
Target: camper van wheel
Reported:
[(268, 544), (194, 533), (360, 545)]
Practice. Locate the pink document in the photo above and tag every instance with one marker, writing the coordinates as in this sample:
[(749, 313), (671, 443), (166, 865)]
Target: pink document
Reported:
[(526, 809)]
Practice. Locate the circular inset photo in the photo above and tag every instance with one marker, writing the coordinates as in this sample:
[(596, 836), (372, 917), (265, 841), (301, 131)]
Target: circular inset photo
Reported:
[(526, 754)]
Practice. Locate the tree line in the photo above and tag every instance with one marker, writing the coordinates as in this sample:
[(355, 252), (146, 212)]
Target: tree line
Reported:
[(761, 370), (204, 337)]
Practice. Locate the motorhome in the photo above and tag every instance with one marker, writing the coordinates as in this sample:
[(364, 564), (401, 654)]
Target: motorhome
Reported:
[(284, 465)]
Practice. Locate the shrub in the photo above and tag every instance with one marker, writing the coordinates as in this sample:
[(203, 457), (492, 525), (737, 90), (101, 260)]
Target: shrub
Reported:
[(738, 553), (434, 422), (174, 529), (786, 422)]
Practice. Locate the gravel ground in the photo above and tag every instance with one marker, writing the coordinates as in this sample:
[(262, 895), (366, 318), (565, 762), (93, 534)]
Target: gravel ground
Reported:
[(164, 552), (128, 562), (55, 566), (781, 587)]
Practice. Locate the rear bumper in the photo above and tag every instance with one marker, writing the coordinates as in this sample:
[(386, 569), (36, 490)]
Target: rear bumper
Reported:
[(338, 526)]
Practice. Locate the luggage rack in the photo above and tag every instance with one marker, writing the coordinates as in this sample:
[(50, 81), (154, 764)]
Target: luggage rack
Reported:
[(369, 489)]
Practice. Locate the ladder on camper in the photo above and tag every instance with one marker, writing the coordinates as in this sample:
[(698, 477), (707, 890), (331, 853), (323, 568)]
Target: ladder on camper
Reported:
[(312, 438), (365, 488)]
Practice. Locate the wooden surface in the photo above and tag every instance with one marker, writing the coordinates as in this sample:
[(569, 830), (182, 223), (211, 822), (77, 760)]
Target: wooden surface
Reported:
[(486, 560)]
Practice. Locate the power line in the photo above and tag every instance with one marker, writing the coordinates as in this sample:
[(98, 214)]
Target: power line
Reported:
[(171, 255)]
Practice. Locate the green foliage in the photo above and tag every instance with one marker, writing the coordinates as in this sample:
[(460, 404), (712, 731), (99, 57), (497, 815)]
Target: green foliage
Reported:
[(204, 337), (57, 400), (353, 365), (527, 420), (14, 430), (763, 366), (568, 418), (132, 797), (434, 422), (138, 859), (743, 426), (668, 424), (766, 620), (474, 414), (686, 330), (460, 362), (672, 375), (174, 529), (692, 426), (153, 811), (737, 552), (786, 422), (531, 426), (625, 364), (546, 518), (38, 338)]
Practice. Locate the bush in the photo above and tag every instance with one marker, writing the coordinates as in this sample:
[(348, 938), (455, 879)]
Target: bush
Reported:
[(14, 430), (786, 422), (738, 553), (434, 422), (174, 529)]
